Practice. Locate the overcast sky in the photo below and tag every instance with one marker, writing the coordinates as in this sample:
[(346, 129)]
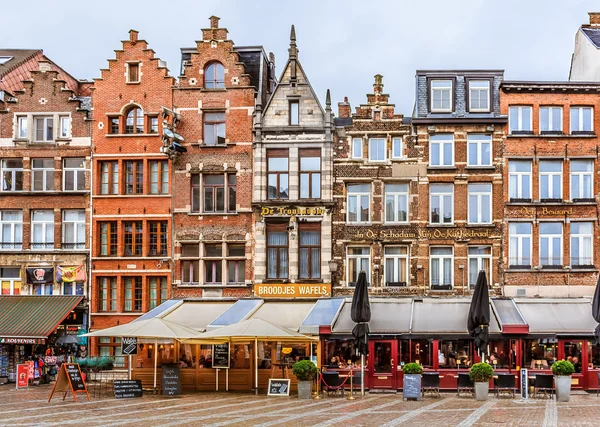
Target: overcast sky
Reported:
[(342, 44)]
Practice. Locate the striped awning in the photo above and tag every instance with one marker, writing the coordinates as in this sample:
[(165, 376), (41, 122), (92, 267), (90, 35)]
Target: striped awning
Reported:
[(25, 316)]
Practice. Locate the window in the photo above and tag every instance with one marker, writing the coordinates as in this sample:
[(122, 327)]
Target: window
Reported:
[(519, 119), (358, 259), (158, 291), (479, 95), (519, 251), (135, 121), (108, 238), (42, 224), (357, 148), (159, 177), (278, 184), (441, 150), (550, 119), (65, 126), (236, 263), (358, 203), (377, 149), (190, 263), (397, 148), (277, 251), (582, 183), (108, 293), (310, 173), (134, 177), (42, 174), (214, 128), (214, 193), (132, 294), (442, 267), (109, 177), (73, 229), (310, 250), (551, 243), (111, 347), (10, 280), (195, 193), (12, 175), (479, 150), (113, 125), (441, 95), (582, 119), (22, 127), (519, 180), (74, 174), (44, 128), (232, 189), (133, 237), (480, 258), (581, 244), (214, 76), (550, 180), (158, 238), (480, 203), (441, 201), (396, 203), (133, 72), (11, 225), (42, 289), (73, 288), (153, 124), (396, 265), (294, 113)]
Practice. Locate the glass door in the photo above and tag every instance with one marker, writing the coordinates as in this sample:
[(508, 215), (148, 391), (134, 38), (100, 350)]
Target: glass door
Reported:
[(383, 359)]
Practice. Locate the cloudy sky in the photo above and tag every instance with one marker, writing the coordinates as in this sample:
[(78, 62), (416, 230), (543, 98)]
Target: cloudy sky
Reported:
[(342, 43)]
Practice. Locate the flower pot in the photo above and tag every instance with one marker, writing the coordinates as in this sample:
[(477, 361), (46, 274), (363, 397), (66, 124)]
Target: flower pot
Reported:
[(563, 388), (482, 391), (305, 389), (411, 388)]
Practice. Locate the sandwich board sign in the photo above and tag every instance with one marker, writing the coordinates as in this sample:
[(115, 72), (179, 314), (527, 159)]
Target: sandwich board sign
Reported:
[(70, 379), (22, 375)]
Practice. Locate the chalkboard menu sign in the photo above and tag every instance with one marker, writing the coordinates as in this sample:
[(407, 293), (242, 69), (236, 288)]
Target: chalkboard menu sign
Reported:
[(278, 387), (128, 388), (171, 380), (129, 345), (69, 379), (221, 356), (75, 377), (411, 388)]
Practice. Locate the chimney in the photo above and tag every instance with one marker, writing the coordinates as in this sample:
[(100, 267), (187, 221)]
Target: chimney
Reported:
[(44, 66), (214, 21), (378, 85), (272, 57), (344, 108), (594, 18), (133, 36)]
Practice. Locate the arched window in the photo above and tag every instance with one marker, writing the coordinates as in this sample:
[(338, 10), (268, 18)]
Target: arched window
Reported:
[(214, 76), (135, 121)]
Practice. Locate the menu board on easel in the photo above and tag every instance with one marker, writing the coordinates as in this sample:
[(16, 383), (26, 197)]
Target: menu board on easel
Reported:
[(69, 379)]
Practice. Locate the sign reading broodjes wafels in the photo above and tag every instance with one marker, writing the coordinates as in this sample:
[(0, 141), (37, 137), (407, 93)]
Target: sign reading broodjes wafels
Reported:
[(292, 290)]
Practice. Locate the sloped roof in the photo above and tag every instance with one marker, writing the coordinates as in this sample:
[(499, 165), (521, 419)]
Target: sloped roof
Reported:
[(17, 57), (593, 34)]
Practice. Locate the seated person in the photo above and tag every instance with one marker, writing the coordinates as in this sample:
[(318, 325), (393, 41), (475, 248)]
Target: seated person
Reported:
[(184, 362), (334, 362), (576, 365)]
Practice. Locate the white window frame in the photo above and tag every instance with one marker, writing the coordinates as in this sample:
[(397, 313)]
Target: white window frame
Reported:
[(551, 238), (581, 175), (355, 154), (441, 259), (577, 239), (479, 259), (358, 258), (377, 140), (44, 224), (483, 85), (580, 127), (520, 123), (64, 130), (397, 196), (520, 177), (440, 145), (551, 124), (441, 195), (74, 171), (47, 138), (44, 172), (20, 121), (444, 89), (519, 245), (79, 241), (13, 173), (396, 259), (399, 154), (14, 244), (550, 175), (476, 142), (479, 195), (358, 195), (12, 281)]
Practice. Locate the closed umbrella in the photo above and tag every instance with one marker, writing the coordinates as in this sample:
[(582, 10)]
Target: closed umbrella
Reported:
[(361, 314), (479, 314), (596, 310)]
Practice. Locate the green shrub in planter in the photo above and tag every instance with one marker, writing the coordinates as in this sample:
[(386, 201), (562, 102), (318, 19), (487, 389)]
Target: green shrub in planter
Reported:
[(305, 370), (563, 367), (412, 369), (102, 363), (481, 373)]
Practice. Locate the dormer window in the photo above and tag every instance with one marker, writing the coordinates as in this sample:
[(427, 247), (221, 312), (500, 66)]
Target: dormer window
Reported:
[(135, 121), (133, 72), (214, 76), (294, 113), (479, 95), (441, 96)]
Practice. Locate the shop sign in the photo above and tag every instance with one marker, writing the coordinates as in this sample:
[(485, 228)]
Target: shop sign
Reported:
[(40, 275), (455, 233), (525, 212), (22, 340), (292, 290), (385, 234), (287, 211)]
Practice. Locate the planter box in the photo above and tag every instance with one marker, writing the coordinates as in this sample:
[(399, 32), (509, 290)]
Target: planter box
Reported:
[(305, 389), (563, 388), (482, 391)]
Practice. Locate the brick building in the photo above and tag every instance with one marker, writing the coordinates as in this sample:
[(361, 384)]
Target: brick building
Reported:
[(218, 88), (459, 127), (292, 195), (131, 203), (551, 191), (376, 171)]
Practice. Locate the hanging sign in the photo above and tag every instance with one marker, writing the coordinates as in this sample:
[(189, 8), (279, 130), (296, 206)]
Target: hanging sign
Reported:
[(70, 379), (39, 275), (129, 345)]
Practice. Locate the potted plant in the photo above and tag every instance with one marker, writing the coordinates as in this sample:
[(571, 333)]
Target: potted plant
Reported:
[(305, 372), (412, 381), (481, 374), (562, 371)]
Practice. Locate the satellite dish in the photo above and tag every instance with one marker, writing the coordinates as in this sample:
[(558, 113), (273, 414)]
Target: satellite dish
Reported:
[(168, 132), (178, 148), (178, 137)]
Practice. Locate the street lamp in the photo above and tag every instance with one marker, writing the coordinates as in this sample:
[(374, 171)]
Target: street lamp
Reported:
[(333, 267)]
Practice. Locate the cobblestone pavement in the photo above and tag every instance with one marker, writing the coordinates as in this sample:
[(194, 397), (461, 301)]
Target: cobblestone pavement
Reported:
[(31, 408)]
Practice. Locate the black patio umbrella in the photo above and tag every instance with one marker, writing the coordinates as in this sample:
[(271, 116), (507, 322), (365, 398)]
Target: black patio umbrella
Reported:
[(67, 339), (596, 310), (479, 314), (361, 314)]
